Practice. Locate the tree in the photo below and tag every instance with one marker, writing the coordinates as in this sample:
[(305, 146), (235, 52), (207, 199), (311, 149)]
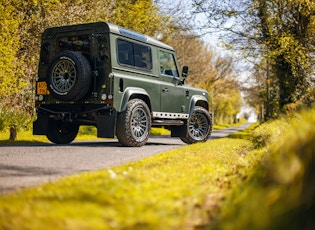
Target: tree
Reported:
[(141, 16), (279, 32), (228, 102), (11, 82)]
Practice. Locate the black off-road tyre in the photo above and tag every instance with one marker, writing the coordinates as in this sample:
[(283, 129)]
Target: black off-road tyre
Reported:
[(59, 132), (69, 76), (199, 126), (134, 124)]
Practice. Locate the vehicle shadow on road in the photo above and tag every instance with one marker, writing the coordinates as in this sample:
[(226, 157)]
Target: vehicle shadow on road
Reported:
[(114, 143), (21, 171), (17, 143), (97, 143)]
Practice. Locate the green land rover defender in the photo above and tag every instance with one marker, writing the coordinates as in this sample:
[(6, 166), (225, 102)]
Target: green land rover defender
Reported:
[(117, 80)]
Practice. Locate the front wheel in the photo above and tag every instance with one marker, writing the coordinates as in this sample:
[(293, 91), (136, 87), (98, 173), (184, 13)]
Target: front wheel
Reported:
[(60, 132), (199, 126), (134, 124)]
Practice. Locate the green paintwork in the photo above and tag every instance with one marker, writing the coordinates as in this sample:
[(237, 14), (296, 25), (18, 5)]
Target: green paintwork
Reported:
[(162, 93)]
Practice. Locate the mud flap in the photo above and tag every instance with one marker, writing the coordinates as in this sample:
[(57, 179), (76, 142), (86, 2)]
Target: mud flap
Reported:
[(179, 131), (40, 125), (106, 125)]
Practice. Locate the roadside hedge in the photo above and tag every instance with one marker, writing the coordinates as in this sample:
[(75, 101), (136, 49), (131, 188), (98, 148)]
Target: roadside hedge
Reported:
[(280, 194)]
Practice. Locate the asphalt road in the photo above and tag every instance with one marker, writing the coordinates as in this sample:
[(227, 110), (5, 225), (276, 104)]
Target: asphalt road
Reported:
[(30, 164)]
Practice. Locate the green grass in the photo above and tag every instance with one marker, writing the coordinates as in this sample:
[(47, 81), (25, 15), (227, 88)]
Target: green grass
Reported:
[(280, 192), (245, 134), (180, 189), (224, 126), (260, 178), (24, 137), (87, 133)]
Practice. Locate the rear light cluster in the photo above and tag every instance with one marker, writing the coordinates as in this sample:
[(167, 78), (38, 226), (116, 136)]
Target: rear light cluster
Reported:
[(109, 98), (104, 97), (39, 98)]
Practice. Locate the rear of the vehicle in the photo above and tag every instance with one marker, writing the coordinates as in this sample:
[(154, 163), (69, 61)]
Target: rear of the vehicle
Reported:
[(117, 80), (74, 85)]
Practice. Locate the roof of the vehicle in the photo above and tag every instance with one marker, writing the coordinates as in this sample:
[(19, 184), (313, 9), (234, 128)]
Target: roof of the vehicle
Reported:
[(101, 27)]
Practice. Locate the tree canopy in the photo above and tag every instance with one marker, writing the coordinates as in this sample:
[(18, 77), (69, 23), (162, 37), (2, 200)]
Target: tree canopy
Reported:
[(10, 72), (277, 35)]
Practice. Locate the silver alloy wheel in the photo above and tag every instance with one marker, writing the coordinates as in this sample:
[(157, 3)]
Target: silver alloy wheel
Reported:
[(139, 124), (198, 126), (64, 76), (134, 124)]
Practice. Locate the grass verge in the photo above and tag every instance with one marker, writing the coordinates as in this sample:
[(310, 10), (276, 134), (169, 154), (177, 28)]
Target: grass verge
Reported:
[(179, 189), (24, 137), (280, 192), (260, 178)]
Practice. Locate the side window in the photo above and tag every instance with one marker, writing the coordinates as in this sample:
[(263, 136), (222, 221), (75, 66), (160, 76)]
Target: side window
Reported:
[(167, 64), (143, 56), (125, 53), (134, 55)]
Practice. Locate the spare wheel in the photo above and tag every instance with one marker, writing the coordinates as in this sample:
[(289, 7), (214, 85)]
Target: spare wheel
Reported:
[(69, 76)]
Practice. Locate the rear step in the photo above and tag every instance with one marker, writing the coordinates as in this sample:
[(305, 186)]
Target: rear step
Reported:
[(168, 122)]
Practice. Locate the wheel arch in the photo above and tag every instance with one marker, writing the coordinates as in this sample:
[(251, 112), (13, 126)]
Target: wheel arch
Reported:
[(132, 93), (198, 100)]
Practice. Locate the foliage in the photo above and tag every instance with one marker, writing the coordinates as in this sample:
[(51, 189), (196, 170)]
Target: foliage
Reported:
[(276, 36), (19, 120), (10, 73), (179, 189), (87, 130), (289, 46), (268, 132), (280, 193), (141, 16), (226, 101)]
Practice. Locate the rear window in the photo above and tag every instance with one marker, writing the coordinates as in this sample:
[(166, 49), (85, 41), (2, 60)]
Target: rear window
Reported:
[(79, 44), (134, 55)]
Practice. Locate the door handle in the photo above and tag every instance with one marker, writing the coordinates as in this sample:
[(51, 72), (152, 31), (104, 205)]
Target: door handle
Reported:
[(165, 90)]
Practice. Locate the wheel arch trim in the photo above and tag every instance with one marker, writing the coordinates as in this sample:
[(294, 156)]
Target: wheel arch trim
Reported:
[(134, 92), (198, 100)]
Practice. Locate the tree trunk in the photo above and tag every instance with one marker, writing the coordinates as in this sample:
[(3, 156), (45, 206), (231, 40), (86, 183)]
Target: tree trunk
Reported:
[(13, 133)]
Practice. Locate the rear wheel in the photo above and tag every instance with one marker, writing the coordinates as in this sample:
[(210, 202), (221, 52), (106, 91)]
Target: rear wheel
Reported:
[(60, 132), (134, 124), (199, 126)]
